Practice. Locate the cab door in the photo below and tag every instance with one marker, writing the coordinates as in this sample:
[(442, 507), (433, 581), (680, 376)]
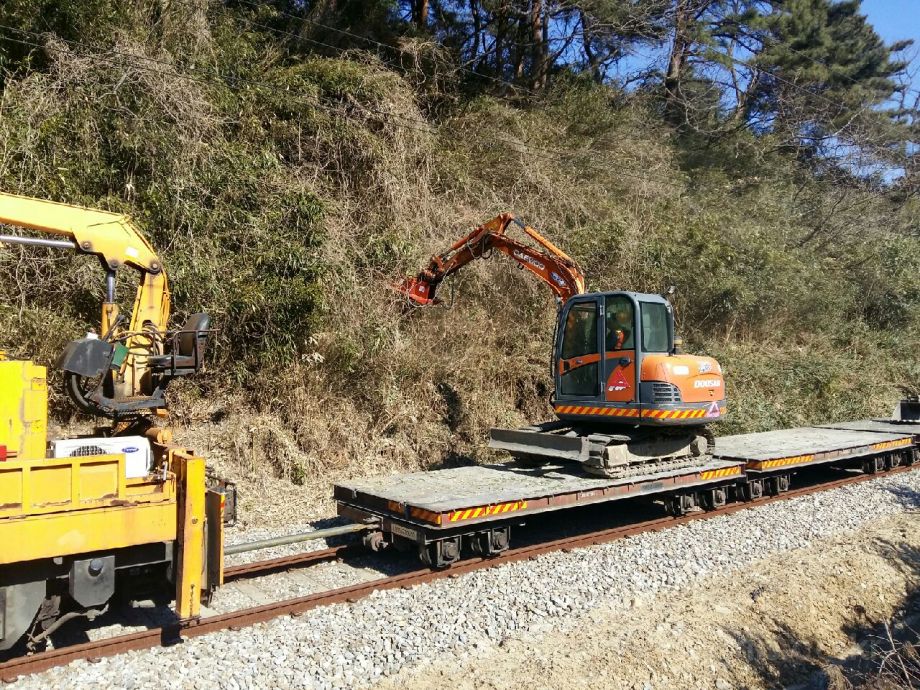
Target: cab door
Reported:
[(621, 349), (578, 351)]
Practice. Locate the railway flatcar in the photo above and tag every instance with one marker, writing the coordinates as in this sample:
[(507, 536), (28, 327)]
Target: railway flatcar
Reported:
[(441, 512)]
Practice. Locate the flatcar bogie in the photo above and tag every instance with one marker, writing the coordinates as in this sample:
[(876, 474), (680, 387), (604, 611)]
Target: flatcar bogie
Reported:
[(490, 542), (440, 553)]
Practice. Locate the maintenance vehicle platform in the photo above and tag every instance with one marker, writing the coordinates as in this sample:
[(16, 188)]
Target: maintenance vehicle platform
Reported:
[(433, 510), (438, 512), (771, 454)]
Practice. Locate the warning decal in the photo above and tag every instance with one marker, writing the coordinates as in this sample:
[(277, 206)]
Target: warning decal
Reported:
[(617, 381), (713, 410)]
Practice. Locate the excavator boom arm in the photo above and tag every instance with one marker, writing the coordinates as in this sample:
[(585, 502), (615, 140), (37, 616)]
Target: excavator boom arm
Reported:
[(546, 261)]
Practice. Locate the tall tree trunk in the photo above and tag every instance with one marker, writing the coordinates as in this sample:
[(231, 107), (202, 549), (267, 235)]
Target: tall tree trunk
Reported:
[(477, 31), (521, 31), (674, 105), (590, 55), (420, 13), (500, 28), (539, 48)]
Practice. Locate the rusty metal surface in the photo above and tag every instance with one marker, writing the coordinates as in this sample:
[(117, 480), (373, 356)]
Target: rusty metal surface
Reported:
[(464, 487), (784, 443), (10, 670)]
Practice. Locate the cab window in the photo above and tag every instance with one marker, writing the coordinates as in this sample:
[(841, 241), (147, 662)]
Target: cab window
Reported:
[(655, 336), (580, 336), (579, 372), (620, 323)]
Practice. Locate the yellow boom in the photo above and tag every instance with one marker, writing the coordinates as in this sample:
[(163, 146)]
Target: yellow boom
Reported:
[(110, 236), (124, 370)]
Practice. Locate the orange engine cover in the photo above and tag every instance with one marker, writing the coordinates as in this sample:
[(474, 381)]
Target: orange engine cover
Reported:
[(698, 378)]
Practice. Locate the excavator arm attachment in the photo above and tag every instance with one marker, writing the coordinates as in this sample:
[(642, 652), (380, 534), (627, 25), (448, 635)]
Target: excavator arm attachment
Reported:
[(122, 371), (546, 261)]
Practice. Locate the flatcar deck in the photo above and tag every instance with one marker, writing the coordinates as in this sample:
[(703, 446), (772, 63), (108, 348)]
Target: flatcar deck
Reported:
[(878, 426), (792, 448), (443, 512), (466, 495)]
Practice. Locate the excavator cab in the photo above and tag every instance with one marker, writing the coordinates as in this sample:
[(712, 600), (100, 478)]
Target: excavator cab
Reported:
[(615, 361)]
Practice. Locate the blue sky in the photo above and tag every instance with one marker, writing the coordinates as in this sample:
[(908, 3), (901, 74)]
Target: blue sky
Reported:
[(895, 20)]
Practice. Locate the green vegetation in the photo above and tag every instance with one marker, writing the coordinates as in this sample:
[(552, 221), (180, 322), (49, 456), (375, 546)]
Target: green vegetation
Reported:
[(288, 172)]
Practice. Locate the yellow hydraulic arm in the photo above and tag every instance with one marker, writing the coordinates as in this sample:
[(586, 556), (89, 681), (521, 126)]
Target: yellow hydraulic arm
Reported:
[(123, 370), (110, 236)]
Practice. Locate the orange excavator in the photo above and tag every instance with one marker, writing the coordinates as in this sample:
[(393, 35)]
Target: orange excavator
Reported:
[(628, 402)]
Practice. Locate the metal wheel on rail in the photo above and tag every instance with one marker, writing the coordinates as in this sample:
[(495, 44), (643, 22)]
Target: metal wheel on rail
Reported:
[(713, 499), (911, 455), (678, 505), (491, 542), (873, 465), (778, 484), (19, 607), (752, 489), (441, 553), (892, 460)]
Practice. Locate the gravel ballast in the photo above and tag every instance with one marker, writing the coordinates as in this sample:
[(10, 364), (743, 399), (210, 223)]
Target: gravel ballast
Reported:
[(348, 645)]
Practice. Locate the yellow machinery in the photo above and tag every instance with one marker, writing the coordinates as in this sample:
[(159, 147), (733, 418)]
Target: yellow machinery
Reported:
[(121, 372), (74, 523)]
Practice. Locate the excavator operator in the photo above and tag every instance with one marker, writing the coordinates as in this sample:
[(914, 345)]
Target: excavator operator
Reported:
[(619, 325)]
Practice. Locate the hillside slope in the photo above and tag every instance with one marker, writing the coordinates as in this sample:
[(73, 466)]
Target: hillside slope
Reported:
[(287, 190)]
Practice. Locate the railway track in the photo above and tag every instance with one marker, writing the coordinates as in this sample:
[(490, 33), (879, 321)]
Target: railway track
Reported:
[(174, 633)]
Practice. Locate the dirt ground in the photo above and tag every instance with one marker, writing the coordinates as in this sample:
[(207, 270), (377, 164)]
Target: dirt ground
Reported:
[(786, 621)]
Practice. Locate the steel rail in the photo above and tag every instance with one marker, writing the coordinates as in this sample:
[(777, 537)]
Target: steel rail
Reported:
[(297, 560), (235, 620)]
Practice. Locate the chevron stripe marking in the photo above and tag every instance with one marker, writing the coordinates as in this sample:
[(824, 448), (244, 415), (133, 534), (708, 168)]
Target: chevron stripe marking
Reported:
[(885, 445), (484, 511), (780, 462), (724, 472)]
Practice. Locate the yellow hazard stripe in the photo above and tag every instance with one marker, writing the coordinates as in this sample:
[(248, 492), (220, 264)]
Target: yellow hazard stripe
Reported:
[(724, 472), (686, 413), (691, 413), (605, 411), (885, 445), (485, 511), (780, 462)]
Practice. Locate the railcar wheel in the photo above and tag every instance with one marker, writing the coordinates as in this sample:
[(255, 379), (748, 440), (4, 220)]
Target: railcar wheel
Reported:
[(778, 485), (681, 504), (873, 465), (752, 490), (440, 554), (18, 605), (491, 542), (712, 499)]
